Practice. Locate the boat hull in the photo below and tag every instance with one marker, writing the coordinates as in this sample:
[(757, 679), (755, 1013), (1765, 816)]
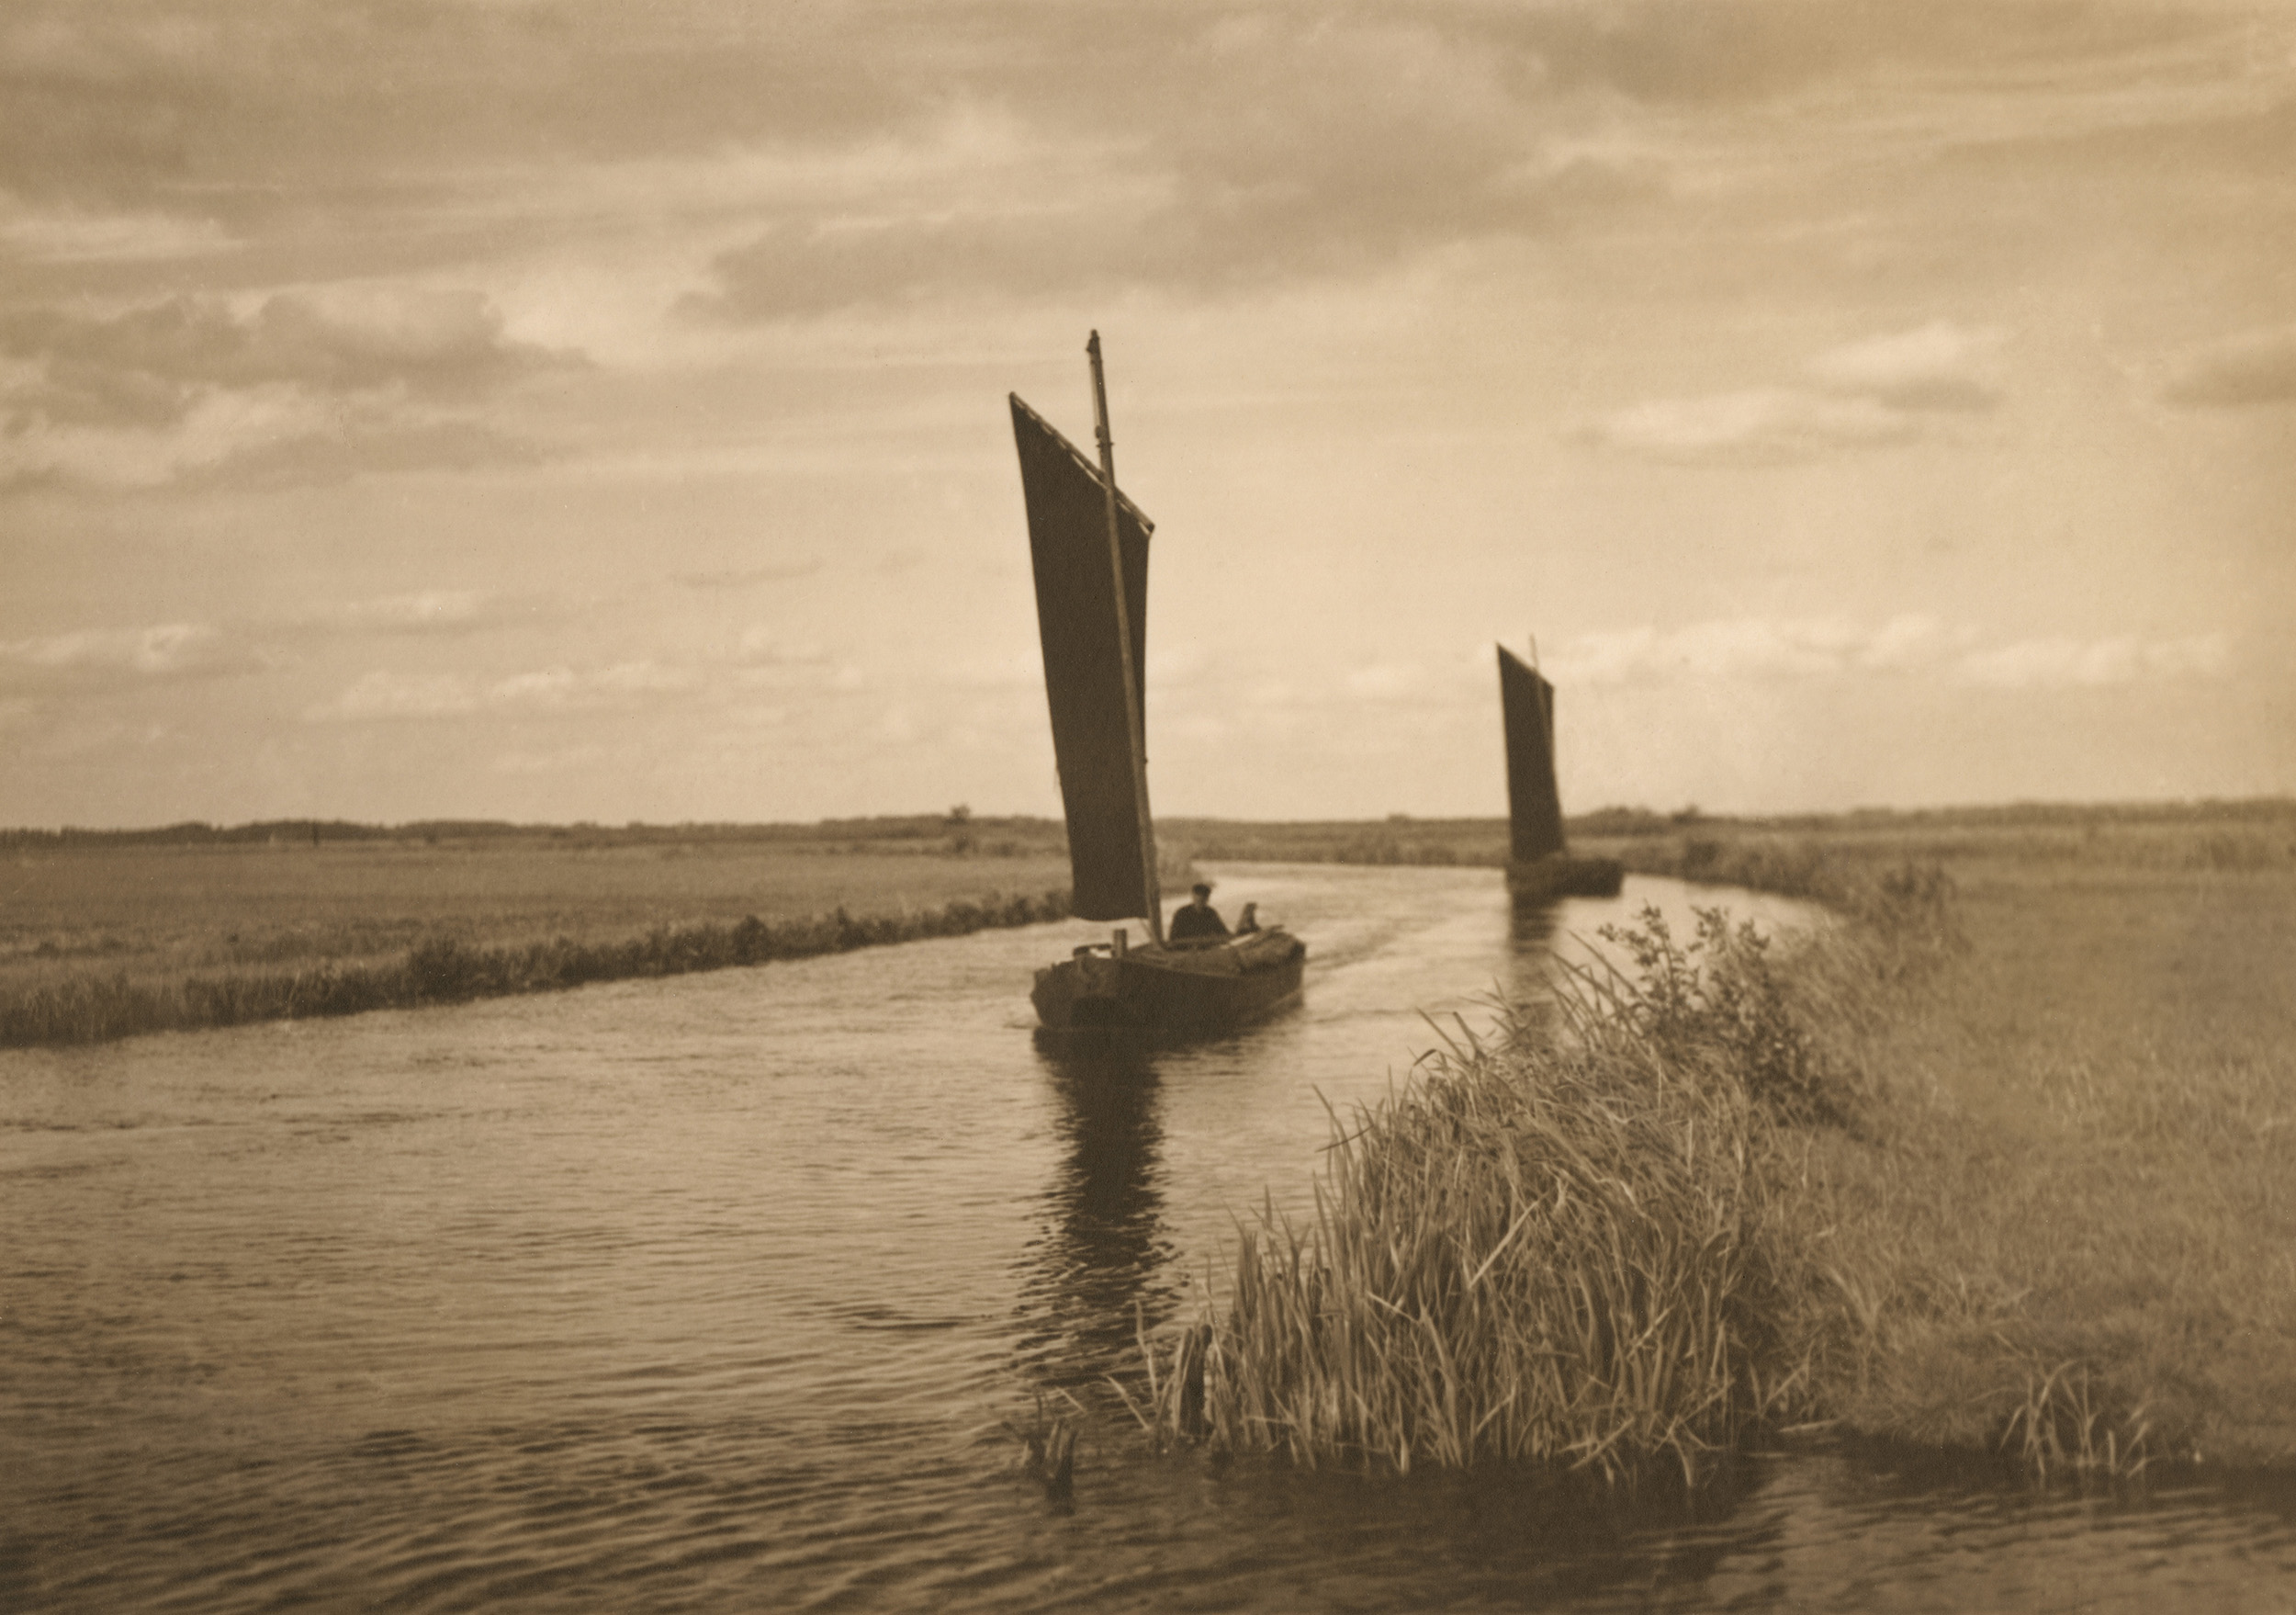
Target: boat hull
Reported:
[(1562, 875), (1172, 989)]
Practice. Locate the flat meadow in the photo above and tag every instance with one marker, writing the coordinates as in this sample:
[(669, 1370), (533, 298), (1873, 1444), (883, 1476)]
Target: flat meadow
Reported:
[(101, 936), (2078, 1173)]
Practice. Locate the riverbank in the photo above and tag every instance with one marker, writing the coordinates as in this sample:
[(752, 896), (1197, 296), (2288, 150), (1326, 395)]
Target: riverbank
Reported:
[(2079, 1180), (107, 939), (2043, 1211)]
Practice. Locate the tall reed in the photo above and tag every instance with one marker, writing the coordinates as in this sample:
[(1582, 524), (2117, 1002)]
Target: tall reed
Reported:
[(1564, 1242)]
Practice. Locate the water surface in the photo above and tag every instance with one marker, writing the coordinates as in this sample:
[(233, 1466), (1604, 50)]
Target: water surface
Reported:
[(713, 1292)]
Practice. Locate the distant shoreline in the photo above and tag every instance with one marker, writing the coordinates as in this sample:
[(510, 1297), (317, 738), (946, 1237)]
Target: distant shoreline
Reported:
[(1016, 831)]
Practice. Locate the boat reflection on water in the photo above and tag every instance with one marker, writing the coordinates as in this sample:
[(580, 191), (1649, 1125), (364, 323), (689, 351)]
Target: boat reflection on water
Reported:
[(1535, 932), (1102, 1266), (1533, 924)]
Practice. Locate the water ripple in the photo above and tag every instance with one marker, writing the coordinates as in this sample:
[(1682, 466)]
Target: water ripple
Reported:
[(730, 1291)]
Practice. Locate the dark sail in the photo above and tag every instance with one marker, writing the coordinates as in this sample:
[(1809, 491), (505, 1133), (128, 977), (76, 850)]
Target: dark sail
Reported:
[(1526, 704), (1084, 674)]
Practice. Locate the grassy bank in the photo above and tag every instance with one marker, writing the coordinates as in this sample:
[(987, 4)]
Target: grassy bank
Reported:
[(1825, 856), (2081, 1174), (2010, 1171), (102, 939), (92, 1006)]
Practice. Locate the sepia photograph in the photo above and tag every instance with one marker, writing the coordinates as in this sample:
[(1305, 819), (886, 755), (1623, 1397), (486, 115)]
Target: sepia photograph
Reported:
[(1270, 806)]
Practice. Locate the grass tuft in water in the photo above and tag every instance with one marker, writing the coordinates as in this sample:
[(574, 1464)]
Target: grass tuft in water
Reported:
[(2066, 1427), (1047, 1441)]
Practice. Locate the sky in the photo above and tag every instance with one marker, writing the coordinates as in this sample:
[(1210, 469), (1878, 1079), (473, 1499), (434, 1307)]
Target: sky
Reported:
[(595, 409)]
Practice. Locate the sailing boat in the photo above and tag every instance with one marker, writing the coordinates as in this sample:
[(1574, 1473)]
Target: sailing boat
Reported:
[(1537, 864), (1090, 547)]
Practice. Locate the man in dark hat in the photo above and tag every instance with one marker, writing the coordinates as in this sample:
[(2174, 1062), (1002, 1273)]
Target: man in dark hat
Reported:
[(1197, 918)]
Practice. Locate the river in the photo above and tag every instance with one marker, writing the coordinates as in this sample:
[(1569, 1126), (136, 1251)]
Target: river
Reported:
[(717, 1293)]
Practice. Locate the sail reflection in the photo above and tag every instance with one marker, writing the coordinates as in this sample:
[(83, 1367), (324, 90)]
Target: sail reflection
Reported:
[(1532, 922), (1097, 1271), (1533, 928)]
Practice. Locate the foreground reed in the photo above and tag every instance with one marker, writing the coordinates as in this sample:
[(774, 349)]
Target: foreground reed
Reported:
[(445, 969), (1572, 1241)]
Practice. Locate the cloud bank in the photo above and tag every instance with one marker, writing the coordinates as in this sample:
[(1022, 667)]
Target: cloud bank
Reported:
[(302, 387), (94, 660), (1886, 389), (1761, 648), (2255, 369)]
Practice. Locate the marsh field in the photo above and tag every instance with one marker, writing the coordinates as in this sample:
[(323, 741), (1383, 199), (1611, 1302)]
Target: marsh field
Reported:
[(108, 935), (2040, 1204)]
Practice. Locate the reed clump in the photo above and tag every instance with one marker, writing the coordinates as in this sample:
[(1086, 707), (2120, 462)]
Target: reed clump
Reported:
[(444, 969), (1792, 867), (1572, 1241)]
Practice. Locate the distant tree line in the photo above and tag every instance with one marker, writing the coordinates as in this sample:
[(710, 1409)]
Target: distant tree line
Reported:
[(918, 827)]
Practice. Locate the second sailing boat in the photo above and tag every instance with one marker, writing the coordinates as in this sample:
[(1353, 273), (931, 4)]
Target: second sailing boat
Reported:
[(1538, 866)]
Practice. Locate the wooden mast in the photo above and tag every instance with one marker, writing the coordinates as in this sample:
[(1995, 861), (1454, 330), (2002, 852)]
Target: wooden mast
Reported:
[(1152, 893), (1547, 712)]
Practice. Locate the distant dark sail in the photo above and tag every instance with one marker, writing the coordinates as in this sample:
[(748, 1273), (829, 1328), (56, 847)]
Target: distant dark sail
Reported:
[(1083, 675), (1526, 704)]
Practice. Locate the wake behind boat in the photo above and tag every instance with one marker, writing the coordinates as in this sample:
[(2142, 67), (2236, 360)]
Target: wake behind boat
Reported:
[(1089, 546), (1538, 866)]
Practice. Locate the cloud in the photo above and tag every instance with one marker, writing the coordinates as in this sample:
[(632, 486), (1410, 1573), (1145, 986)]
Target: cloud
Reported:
[(762, 648), (125, 98), (90, 97), (1171, 666), (1940, 366), (149, 365), (925, 149), (303, 387), (1911, 641), (565, 758), (85, 235), (1212, 152), (254, 443), (1761, 425), (99, 659), (1387, 681), (2256, 367), (386, 693), (425, 613), (746, 577), (382, 693), (1015, 670), (360, 449), (2062, 663), (1739, 648), (1832, 648), (1218, 149), (1688, 52), (1882, 390), (563, 689)]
